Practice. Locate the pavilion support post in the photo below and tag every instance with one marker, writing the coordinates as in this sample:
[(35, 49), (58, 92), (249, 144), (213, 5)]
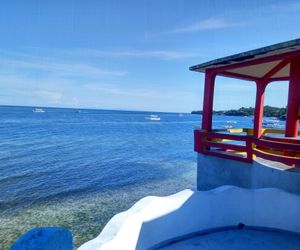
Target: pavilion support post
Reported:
[(259, 108), (209, 86), (292, 117)]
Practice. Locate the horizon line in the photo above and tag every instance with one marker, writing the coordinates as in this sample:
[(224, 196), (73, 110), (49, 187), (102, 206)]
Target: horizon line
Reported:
[(108, 109)]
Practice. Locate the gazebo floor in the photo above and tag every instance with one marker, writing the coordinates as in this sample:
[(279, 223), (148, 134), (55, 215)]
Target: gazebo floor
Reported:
[(239, 239)]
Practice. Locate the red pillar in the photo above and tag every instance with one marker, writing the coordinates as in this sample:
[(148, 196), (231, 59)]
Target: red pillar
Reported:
[(209, 86), (259, 108), (291, 129)]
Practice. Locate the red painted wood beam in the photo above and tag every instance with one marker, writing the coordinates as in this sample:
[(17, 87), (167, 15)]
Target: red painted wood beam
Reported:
[(277, 145), (275, 69), (260, 96), (284, 159), (222, 136), (225, 146), (279, 79), (244, 77), (292, 119), (238, 76), (283, 140), (259, 108), (198, 141), (208, 99), (227, 156), (288, 55)]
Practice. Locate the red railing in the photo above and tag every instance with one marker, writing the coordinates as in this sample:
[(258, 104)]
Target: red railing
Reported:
[(287, 153), (216, 144), (245, 147)]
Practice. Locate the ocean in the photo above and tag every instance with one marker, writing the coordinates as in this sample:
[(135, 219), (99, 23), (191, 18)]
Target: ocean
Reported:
[(77, 167)]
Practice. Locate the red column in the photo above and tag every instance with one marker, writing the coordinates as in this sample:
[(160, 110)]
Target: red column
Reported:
[(259, 108), (291, 129), (208, 99)]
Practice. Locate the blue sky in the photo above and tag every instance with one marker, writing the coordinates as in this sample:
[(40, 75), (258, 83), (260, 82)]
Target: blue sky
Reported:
[(134, 55)]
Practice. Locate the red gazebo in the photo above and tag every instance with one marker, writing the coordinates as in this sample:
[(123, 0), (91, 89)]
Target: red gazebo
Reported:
[(279, 62)]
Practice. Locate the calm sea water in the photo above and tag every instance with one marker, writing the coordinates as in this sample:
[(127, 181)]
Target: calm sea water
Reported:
[(78, 169)]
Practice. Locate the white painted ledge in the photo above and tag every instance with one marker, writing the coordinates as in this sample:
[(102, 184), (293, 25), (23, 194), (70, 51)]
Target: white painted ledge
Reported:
[(153, 220)]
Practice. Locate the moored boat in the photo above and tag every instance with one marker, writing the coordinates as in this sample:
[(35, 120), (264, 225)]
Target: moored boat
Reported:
[(153, 118), (38, 110)]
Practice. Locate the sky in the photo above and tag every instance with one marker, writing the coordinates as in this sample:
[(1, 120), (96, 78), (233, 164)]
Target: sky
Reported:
[(134, 54)]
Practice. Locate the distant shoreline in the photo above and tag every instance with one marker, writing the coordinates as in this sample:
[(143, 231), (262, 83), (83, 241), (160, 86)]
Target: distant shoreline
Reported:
[(269, 111)]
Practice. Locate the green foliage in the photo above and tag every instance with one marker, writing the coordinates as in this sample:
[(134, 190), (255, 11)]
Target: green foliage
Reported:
[(269, 111), (240, 112), (274, 112)]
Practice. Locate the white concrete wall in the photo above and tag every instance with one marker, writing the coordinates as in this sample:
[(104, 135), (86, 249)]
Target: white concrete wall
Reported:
[(213, 172), (153, 220)]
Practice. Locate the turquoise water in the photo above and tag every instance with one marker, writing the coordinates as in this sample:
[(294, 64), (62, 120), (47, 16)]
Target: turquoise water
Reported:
[(77, 169)]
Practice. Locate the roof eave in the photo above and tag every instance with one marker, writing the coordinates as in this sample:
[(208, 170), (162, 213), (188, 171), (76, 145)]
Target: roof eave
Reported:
[(244, 56)]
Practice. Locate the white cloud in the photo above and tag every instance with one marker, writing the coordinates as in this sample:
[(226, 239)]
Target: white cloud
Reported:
[(32, 91), (60, 92), (58, 67), (130, 92), (58, 81), (49, 96), (160, 54), (207, 24)]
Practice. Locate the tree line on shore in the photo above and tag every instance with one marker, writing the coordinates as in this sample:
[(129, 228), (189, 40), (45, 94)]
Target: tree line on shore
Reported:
[(269, 111)]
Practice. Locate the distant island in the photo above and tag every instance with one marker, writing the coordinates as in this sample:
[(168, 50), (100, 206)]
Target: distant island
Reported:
[(269, 111)]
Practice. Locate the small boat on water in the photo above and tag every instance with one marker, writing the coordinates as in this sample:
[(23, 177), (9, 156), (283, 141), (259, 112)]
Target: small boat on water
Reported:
[(227, 126), (153, 118), (282, 118), (38, 110), (270, 123), (231, 122)]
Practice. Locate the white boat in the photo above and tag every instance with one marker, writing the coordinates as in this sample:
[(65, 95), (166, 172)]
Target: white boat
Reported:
[(270, 123), (153, 118), (231, 122), (227, 126), (38, 110)]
